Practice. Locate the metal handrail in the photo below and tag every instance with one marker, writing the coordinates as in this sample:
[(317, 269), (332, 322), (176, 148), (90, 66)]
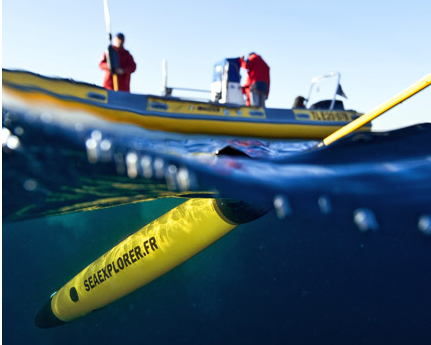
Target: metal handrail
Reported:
[(318, 79)]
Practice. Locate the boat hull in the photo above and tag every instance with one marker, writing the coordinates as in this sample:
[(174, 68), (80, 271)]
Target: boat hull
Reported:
[(173, 114)]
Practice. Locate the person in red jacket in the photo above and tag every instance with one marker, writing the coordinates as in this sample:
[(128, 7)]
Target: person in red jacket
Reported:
[(126, 66), (256, 87)]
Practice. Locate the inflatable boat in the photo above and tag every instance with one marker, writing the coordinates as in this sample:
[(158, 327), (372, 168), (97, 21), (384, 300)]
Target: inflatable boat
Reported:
[(218, 116)]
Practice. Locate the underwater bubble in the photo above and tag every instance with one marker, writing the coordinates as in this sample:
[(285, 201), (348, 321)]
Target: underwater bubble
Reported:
[(132, 164), (18, 130), (79, 126), (7, 118), (159, 165), (365, 220), (12, 142), (105, 150), (105, 145), (324, 204), (183, 179), (282, 206), (9, 140), (96, 135), (170, 177), (5, 134), (424, 224), (46, 117), (30, 185), (146, 166), (31, 116), (91, 146), (172, 169)]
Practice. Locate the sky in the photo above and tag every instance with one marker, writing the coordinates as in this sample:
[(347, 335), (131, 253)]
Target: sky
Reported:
[(379, 47)]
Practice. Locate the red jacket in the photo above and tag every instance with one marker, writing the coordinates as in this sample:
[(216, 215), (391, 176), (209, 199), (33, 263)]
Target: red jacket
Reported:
[(258, 71), (126, 63)]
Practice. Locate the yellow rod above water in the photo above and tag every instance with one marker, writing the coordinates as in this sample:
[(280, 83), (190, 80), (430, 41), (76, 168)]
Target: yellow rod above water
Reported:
[(379, 110)]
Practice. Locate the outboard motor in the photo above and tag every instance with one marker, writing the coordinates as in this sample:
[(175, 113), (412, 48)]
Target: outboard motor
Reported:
[(226, 86)]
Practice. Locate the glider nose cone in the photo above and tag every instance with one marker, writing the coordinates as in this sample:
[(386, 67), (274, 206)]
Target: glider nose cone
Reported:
[(45, 318)]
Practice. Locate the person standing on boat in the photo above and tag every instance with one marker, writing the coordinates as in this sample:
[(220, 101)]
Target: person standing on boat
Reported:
[(299, 102), (256, 87), (126, 66)]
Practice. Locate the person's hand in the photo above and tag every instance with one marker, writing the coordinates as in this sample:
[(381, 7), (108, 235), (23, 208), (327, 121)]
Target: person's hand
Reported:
[(119, 71)]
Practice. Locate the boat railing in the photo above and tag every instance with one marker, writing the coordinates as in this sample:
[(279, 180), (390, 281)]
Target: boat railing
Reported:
[(167, 91), (316, 80)]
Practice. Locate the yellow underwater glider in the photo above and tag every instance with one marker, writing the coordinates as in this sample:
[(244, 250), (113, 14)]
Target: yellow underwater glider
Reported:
[(147, 254)]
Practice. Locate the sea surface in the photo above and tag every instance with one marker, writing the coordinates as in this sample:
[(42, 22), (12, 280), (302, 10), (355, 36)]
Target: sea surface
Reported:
[(343, 255)]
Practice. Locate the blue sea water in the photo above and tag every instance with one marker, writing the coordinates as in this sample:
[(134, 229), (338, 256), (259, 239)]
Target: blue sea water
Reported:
[(313, 280), (342, 257)]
